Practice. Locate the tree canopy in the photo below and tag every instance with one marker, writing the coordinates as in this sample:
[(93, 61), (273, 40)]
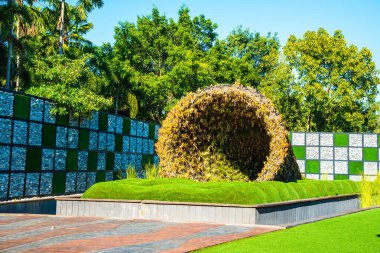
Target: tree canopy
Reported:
[(317, 82)]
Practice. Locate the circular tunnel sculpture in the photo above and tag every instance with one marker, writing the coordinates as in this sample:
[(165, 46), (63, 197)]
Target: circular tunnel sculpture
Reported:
[(226, 132)]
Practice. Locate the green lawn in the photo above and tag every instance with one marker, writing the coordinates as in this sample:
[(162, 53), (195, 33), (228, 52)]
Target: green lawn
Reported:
[(359, 232), (245, 193)]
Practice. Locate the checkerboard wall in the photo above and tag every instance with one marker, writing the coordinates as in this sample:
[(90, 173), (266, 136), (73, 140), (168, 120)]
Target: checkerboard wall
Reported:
[(336, 155), (41, 154)]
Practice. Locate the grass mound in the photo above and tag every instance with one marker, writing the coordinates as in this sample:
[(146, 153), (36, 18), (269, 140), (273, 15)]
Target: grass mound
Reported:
[(244, 193)]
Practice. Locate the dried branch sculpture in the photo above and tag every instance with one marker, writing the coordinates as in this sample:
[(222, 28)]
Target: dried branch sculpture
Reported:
[(226, 132)]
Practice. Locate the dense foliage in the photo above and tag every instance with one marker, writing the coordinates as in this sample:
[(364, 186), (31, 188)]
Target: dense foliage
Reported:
[(232, 128), (317, 82), (185, 190)]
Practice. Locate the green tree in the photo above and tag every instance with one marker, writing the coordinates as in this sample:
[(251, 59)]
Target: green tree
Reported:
[(244, 57), (165, 58), (83, 7), (338, 82), (69, 83)]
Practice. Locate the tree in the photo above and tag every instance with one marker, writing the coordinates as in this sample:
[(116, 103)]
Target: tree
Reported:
[(244, 57), (165, 59), (338, 82), (83, 8), (69, 83)]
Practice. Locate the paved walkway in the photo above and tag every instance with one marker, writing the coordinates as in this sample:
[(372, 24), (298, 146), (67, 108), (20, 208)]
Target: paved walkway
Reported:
[(50, 233)]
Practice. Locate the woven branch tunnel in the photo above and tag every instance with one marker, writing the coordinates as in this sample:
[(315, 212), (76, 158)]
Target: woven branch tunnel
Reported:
[(236, 124)]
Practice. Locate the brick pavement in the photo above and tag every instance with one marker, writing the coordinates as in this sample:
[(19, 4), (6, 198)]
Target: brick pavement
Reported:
[(49, 233)]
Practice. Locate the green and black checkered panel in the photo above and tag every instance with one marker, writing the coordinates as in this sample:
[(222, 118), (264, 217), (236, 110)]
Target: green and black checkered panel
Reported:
[(337, 155)]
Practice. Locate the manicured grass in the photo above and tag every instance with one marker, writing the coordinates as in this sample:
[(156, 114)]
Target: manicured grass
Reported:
[(245, 193), (359, 232)]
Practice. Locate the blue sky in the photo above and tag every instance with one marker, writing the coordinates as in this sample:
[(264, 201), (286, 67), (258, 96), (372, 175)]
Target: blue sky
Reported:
[(359, 20)]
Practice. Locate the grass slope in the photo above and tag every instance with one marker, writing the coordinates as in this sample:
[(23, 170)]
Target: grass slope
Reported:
[(359, 232), (245, 193)]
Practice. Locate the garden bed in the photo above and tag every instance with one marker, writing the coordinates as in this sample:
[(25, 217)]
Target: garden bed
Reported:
[(178, 200), (241, 193)]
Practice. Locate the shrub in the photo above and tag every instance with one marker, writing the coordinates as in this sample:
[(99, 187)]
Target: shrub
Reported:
[(226, 133)]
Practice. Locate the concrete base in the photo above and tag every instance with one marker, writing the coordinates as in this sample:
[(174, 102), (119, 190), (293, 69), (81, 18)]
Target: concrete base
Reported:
[(38, 206), (268, 214)]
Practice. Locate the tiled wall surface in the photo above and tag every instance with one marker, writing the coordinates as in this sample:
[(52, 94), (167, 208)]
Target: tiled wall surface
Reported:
[(41, 154), (337, 155)]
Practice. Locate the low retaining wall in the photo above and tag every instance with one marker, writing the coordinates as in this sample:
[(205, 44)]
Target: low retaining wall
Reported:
[(34, 206), (281, 213)]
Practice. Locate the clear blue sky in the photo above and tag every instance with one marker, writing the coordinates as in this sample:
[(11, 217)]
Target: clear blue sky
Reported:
[(359, 20)]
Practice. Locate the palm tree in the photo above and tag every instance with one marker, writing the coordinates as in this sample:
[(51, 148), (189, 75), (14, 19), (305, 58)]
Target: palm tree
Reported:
[(25, 16), (84, 7)]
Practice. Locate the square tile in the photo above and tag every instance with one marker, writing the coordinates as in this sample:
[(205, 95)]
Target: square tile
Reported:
[(340, 139), (299, 151), (5, 155), (19, 158), (355, 167), (33, 159), (340, 176), (35, 134), (326, 139), (312, 153), (312, 166), (6, 103), (298, 139), (84, 139), (81, 181), (20, 129), (355, 140), (5, 130), (370, 154), (59, 183), (91, 179), (111, 123), (47, 159), (355, 178), (341, 167), (48, 117), (4, 177), (71, 178), (36, 109), (312, 139), (370, 168), (94, 121), (340, 153), (46, 185), (60, 159), (370, 140), (355, 154), (327, 177), (22, 106), (32, 183), (327, 167), (61, 137), (16, 188), (312, 176), (326, 153)]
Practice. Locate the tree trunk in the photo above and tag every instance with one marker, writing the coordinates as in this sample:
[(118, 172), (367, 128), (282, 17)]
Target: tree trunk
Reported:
[(117, 101), (17, 54), (61, 27), (308, 123), (10, 44)]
